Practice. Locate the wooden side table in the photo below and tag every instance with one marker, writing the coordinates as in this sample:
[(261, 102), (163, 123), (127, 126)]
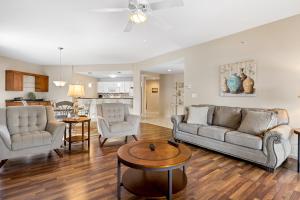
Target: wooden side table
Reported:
[(77, 138), (297, 132)]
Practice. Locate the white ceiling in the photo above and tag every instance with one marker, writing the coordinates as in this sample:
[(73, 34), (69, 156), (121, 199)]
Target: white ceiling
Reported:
[(172, 67), (31, 30)]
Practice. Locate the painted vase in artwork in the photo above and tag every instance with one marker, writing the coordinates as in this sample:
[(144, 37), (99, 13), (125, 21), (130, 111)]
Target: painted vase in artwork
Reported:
[(224, 85), (234, 83), (243, 76), (248, 85)]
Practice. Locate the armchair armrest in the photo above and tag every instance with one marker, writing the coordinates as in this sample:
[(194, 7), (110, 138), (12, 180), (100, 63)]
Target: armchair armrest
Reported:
[(133, 119), (276, 145), (102, 125), (57, 129), (54, 127), (5, 136)]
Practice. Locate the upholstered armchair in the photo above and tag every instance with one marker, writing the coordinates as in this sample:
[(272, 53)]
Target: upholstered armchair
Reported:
[(29, 130), (114, 120)]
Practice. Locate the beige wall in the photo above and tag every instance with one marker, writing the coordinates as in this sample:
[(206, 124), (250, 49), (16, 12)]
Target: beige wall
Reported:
[(275, 48), (167, 92)]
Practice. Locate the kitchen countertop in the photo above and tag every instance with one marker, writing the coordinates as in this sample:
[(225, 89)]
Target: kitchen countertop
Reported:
[(109, 98), (12, 100)]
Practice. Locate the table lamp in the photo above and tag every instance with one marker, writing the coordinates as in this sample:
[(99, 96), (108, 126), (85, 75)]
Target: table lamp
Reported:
[(76, 91)]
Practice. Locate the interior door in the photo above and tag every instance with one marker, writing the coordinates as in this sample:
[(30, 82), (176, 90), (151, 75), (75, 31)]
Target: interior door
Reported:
[(152, 96)]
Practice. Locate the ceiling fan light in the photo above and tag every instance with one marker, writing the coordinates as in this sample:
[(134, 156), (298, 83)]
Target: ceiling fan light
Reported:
[(138, 17)]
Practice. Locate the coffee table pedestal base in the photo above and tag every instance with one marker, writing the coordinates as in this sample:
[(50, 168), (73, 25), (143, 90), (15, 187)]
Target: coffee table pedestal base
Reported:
[(153, 183)]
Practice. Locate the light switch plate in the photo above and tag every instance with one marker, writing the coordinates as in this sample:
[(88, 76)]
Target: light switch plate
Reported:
[(194, 95)]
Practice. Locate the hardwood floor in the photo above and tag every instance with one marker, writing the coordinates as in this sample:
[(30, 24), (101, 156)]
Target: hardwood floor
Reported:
[(80, 176)]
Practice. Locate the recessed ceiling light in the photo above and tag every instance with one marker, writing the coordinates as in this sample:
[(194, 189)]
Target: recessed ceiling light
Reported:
[(169, 70), (145, 40), (112, 76)]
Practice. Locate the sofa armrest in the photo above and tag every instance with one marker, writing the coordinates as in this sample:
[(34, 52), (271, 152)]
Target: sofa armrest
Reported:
[(5, 136), (276, 145), (176, 119), (103, 126)]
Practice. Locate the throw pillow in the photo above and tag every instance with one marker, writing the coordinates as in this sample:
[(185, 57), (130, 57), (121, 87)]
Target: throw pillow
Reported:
[(229, 117), (257, 122), (197, 115)]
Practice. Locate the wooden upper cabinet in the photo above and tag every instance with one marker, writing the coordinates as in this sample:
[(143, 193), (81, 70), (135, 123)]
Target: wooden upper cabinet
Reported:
[(41, 83), (13, 80)]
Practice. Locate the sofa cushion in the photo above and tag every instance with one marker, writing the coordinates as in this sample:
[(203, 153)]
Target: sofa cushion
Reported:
[(257, 122), (244, 139), (116, 127), (210, 113), (197, 115), (28, 140), (189, 128), (213, 132), (281, 115), (229, 117), (26, 119)]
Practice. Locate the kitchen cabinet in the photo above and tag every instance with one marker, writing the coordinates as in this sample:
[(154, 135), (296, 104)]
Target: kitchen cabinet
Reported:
[(114, 87), (41, 83), (13, 81)]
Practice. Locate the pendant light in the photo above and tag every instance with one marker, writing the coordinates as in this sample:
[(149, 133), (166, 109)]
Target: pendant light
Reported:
[(60, 83)]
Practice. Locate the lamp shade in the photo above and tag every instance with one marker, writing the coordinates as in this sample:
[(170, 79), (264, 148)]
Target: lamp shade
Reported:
[(76, 91)]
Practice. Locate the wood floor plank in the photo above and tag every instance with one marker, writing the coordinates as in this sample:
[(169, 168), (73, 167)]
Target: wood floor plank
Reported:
[(83, 176)]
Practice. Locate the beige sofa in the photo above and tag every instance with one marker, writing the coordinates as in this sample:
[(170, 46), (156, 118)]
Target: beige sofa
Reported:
[(28, 130), (269, 149)]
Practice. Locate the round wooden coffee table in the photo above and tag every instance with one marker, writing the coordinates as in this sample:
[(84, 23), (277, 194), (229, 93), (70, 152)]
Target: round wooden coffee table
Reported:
[(152, 173)]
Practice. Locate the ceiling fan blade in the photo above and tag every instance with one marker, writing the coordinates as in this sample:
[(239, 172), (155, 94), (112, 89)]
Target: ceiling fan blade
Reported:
[(129, 26), (166, 4), (110, 10)]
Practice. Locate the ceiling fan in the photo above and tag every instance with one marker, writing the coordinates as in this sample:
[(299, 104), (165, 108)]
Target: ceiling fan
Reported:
[(139, 10)]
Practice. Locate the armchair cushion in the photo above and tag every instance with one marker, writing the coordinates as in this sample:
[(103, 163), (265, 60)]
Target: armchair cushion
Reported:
[(117, 127), (29, 140), (26, 119)]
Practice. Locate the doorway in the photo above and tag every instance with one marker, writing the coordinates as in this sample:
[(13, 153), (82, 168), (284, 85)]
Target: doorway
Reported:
[(152, 93)]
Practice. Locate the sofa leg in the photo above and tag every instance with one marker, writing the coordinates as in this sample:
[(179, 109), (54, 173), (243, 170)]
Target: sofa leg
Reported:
[(2, 162), (102, 143), (59, 153), (135, 137), (126, 138)]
